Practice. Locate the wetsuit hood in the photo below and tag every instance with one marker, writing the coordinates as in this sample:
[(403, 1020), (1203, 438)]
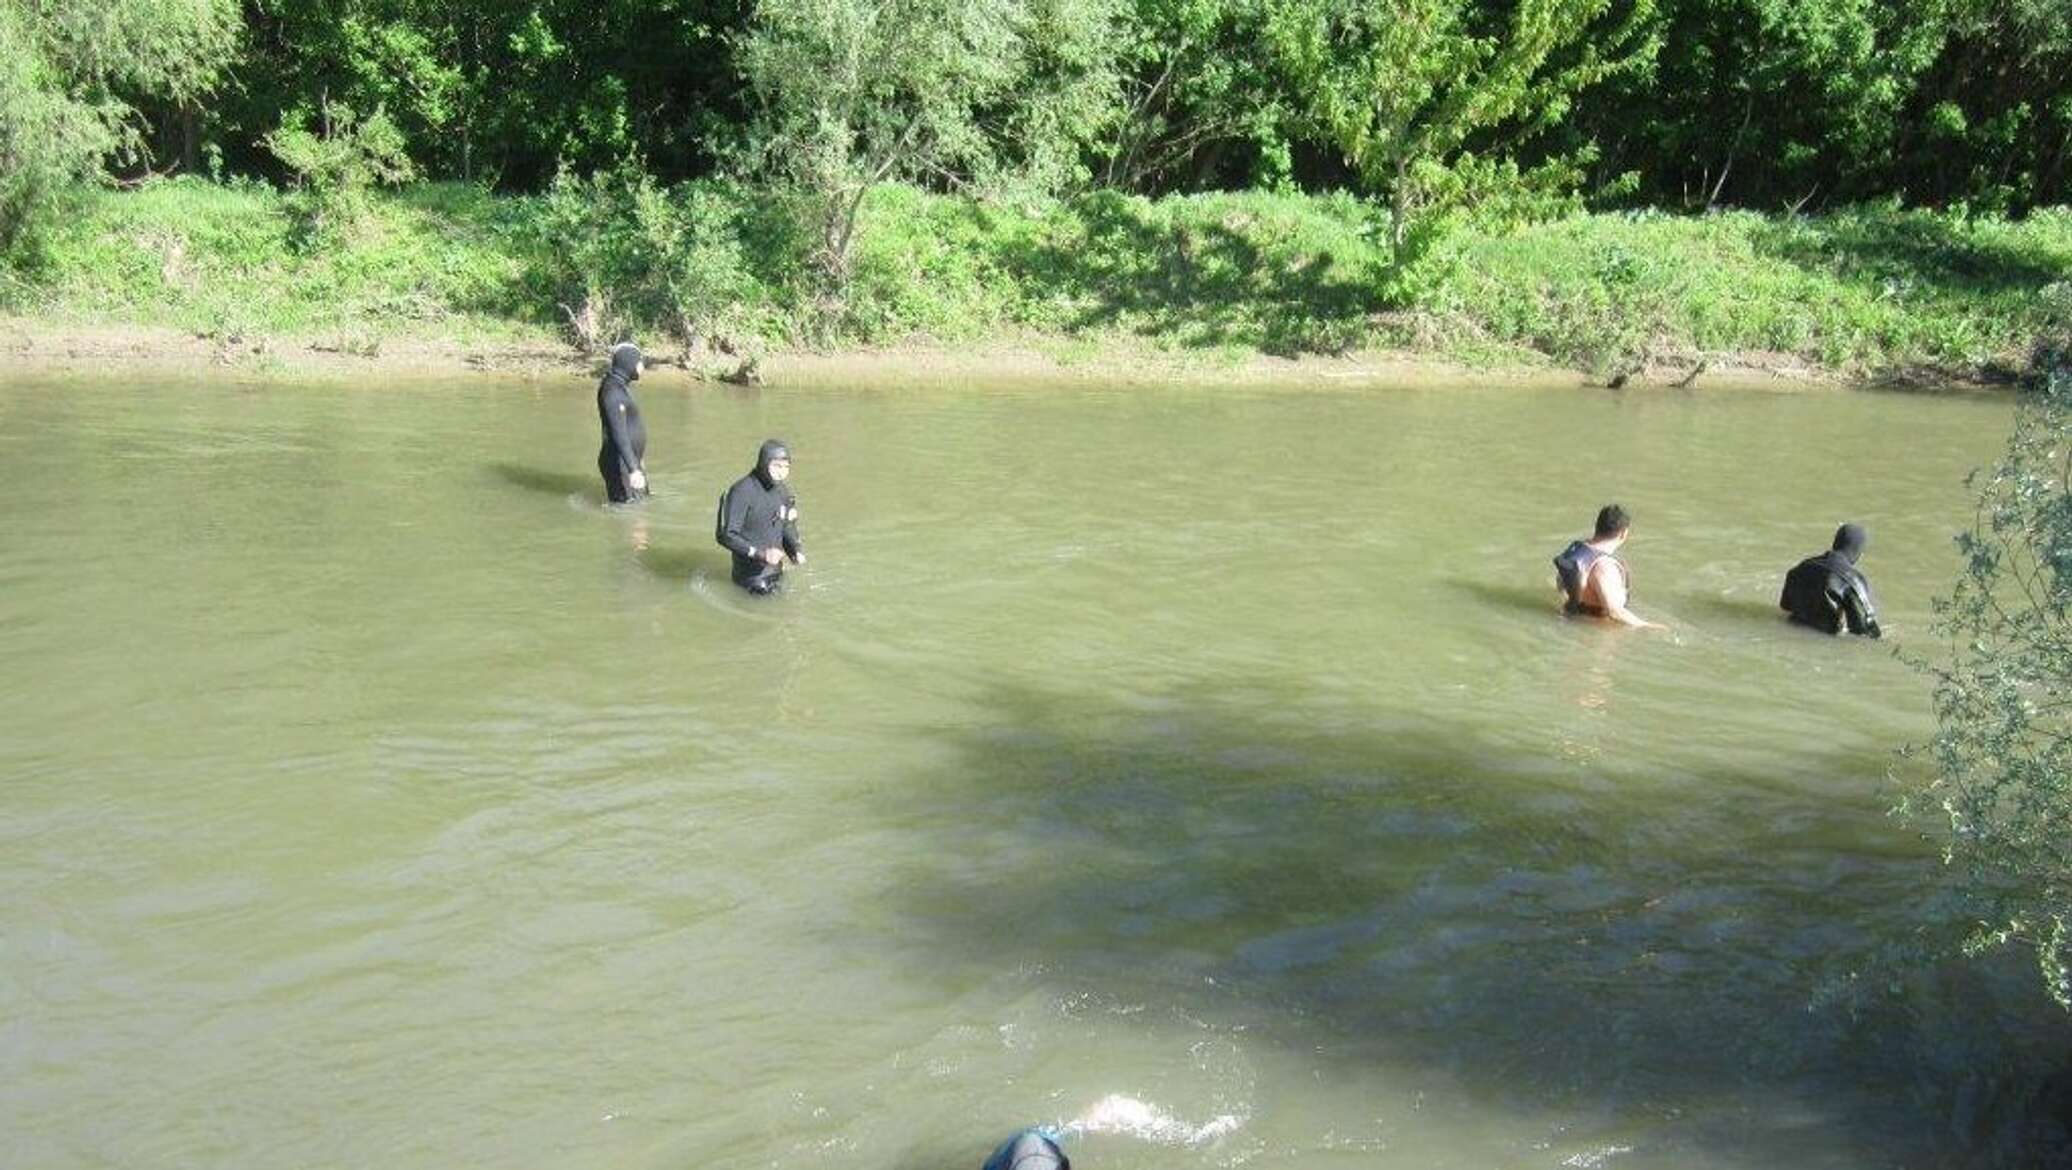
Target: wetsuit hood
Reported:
[(626, 361), (1030, 1149), (1850, 541), (771, 450)]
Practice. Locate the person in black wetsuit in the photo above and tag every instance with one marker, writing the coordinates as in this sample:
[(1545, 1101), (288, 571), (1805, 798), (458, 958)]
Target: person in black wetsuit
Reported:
[(759, 521), (1031, 1149), (620, 457), (1828, 592)]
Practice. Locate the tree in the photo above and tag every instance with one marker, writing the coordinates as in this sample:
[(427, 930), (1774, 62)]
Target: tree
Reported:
[(1405, 88), (70, 73), (1200, 103), (505, 90), (959, 93), (1991, 120), (2002, 786), (1778, 103)]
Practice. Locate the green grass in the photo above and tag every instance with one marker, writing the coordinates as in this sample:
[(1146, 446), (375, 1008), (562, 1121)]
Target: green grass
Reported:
[(433, 261), (1863, 289)]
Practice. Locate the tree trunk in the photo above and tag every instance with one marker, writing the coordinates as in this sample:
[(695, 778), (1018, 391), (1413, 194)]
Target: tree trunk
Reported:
[(1399, 212), (190, 137)]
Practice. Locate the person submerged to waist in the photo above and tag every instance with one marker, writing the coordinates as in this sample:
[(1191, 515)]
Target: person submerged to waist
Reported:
[(1594, 582)]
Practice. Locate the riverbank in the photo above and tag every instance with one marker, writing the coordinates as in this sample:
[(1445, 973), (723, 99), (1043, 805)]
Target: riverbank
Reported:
[(33, 346), (446, 278)]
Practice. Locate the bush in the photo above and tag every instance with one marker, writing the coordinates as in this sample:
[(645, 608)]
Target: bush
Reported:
[(335, 163), (589, 232), (625, 253)]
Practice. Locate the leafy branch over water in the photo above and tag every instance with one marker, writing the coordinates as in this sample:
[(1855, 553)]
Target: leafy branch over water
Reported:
[(2003, 702)]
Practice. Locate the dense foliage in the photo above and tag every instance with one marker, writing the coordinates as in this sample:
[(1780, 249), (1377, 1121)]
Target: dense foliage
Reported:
[(72, 76), (1747, 102)]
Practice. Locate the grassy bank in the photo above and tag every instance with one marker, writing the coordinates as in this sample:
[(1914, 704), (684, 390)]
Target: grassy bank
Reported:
[(1860, 291)]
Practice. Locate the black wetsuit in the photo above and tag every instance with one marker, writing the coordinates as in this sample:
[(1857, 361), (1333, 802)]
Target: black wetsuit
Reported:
[(1028, 1150), (625, 437), (755, 515), (1829, 593)]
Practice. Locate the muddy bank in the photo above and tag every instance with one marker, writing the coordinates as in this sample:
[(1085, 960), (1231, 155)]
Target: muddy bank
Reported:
[(33, 346)]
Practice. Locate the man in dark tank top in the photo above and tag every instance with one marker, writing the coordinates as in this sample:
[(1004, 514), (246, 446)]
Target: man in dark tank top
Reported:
[(1593, 580)]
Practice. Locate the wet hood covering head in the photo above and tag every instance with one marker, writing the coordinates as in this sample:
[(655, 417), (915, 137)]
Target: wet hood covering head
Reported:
[(626, 361), (771, 450), (1028, 1150), (1851, 540)]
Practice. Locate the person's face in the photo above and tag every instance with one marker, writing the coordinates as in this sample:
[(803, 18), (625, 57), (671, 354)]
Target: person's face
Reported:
[(780, 469), (640, 367)]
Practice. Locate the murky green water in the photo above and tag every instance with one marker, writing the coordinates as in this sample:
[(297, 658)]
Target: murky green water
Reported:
[(374, 798)]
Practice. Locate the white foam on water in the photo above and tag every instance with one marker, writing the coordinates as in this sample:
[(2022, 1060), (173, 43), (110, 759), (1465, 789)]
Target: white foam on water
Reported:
[(1591, 1159), (1120, 1114)]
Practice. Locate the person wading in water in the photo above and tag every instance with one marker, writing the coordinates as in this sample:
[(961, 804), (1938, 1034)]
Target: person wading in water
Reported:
[(759, 521), (1593, 579), (620, 458), (1828, 592)]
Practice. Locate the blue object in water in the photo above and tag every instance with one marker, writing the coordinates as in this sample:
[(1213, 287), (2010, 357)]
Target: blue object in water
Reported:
[(1031, 1149)]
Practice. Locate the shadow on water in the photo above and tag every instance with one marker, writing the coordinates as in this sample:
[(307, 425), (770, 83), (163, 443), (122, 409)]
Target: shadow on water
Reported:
[(1516, 598), (559, 484), (678, 565), (1635, 947), (1753, 611)]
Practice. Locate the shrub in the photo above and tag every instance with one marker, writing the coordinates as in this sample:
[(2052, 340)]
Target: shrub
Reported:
[(2002, 787), (335, 163)]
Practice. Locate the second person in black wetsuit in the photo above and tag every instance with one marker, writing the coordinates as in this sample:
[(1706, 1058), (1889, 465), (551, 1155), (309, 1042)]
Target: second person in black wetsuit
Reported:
[(1031, 1149), (1828, 592), (620, 459), (759, 521)]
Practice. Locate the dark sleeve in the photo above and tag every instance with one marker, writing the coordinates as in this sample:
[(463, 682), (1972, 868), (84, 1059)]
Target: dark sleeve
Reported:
[(1857, 609), (793, 546), (621, 435), (733, 513)]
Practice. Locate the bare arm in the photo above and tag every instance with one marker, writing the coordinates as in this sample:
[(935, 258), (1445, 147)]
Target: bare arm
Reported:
[(1611, 592)]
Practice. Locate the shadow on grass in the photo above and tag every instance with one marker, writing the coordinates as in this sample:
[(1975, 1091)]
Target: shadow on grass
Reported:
[(1631, 949), (1914, 249), (1242, 279)]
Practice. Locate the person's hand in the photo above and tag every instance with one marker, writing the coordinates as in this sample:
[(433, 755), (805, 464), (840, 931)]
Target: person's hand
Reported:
[(638, 480), (773, 555), (798, 558)]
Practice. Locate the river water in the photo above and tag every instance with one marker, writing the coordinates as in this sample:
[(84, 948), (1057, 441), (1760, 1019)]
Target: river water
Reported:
[(1206, 766)]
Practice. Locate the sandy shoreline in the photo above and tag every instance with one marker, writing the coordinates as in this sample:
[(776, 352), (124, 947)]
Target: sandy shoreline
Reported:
[(32, 346)]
